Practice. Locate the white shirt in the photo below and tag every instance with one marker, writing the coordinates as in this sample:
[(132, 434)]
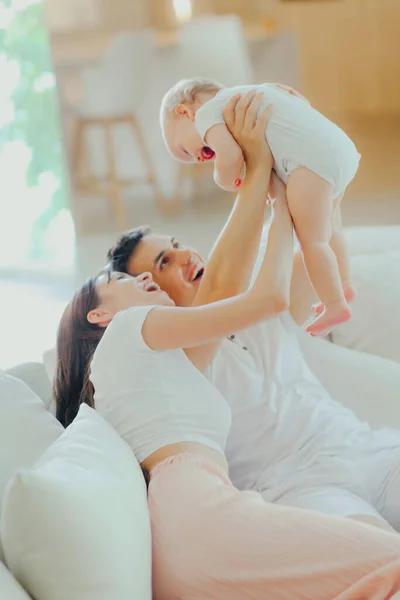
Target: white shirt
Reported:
[(151, 398), (285, 426)]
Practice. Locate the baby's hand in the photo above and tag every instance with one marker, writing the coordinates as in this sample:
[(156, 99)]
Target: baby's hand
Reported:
[(291, 91), (226, 182)]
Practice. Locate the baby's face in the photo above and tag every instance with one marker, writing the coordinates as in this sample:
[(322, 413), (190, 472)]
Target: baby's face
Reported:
[(183, 141)]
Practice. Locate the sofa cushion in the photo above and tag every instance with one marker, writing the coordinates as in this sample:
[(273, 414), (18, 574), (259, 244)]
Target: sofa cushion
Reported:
[(10, 589), (35, 376), (76, 525), (26, 429), (50, 362)]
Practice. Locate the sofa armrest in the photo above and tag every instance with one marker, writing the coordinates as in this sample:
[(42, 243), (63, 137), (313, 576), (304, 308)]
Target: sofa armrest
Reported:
[(10, 589), (35, 376)]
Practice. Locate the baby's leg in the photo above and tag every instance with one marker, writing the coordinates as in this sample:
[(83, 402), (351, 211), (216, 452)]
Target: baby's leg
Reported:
[(338, 243), (339, 246), (310, 200)]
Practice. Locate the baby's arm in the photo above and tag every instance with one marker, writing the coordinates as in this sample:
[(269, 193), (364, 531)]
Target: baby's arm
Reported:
[(229, 161)]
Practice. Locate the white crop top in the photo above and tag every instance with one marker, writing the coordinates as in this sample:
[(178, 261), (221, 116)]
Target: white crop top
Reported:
[(151, 398)]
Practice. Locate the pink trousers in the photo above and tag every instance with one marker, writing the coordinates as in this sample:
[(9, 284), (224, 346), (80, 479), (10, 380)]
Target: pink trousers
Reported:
[(212, 542)]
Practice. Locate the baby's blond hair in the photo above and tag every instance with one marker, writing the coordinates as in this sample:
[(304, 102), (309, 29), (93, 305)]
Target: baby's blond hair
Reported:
[(186, 92)]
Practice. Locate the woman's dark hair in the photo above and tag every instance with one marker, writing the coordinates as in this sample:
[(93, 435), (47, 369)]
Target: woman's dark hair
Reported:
[(77, 339)]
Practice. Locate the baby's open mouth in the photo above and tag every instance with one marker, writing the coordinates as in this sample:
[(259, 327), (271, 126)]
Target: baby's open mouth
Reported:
[(207, 153)]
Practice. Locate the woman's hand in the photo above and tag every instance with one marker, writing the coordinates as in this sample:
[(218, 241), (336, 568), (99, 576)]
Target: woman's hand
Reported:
[(241, 119)]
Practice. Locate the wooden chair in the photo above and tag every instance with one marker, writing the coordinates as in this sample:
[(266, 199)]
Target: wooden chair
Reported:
[(112, 185), (111, 94)]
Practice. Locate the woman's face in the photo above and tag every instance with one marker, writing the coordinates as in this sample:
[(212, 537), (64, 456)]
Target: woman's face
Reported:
[(121, 291)]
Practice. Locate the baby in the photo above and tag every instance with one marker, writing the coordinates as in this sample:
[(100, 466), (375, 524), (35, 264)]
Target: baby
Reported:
[(312, 156)]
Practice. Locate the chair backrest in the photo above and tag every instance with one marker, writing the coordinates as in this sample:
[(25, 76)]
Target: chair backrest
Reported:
[(116, 85), (215, 46)]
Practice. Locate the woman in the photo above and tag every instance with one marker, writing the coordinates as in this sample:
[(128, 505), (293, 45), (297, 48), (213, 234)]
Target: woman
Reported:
[(122, 337)]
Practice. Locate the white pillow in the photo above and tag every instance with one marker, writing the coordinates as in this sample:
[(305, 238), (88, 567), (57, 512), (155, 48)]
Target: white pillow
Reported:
[(50, 363), (76, 526), (35, 376), (9, 587), (375, 325), (26, 429)]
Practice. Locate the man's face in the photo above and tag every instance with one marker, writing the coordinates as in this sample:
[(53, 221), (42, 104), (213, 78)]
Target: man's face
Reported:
[(176, 268)]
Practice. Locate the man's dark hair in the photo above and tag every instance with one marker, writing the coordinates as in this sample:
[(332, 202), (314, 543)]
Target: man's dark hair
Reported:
[(119, 255)]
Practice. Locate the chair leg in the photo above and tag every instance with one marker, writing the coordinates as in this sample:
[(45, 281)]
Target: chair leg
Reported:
[(79, 170), (115, 188), (163, 205), (78, 153)]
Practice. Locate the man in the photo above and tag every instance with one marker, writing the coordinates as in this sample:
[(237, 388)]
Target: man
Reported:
[(289, 440)]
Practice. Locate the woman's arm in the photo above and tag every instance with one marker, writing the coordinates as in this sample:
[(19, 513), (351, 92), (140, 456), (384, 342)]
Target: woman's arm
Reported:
[(168, 328), (230, 265)]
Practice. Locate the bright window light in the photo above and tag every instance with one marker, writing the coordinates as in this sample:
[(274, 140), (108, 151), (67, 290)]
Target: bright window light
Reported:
[(183, 10)]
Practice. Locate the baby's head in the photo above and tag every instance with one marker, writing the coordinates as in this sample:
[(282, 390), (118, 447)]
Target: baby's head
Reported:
[(177, 113)]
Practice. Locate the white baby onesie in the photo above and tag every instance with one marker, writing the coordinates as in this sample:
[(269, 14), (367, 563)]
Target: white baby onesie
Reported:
[(297, 134)]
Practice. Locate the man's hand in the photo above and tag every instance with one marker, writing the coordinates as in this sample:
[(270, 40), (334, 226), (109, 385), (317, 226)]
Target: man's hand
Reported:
[(248, 129)]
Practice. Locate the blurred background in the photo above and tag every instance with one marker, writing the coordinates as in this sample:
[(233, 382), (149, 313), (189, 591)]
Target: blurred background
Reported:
[(81, 154)]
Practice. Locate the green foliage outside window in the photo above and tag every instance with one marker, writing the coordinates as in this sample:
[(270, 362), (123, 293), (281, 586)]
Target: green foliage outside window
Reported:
[(36, 119)]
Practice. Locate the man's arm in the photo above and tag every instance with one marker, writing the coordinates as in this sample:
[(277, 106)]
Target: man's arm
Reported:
[(302, 294)]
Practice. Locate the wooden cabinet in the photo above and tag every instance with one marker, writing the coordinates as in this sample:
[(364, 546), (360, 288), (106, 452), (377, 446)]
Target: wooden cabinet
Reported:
[(349, 52), (387, 18)]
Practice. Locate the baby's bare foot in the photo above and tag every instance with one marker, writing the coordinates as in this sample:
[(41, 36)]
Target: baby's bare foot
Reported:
[(328, 317), (349, 293)]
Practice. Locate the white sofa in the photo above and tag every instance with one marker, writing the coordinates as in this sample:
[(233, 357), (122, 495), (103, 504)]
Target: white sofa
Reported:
[(73, 519)]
